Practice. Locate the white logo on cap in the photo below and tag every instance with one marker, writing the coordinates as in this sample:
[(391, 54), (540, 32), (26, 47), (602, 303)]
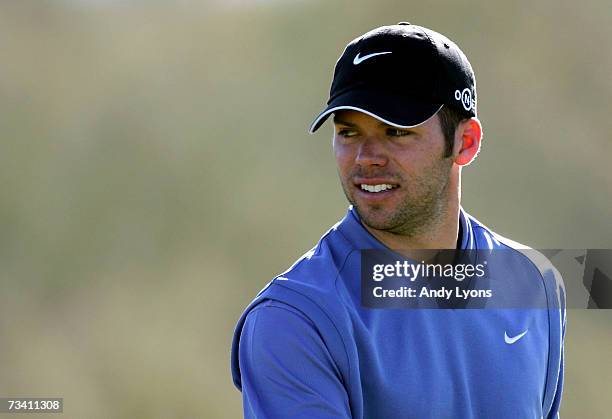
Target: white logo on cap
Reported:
[(358, 59), (466, 99)]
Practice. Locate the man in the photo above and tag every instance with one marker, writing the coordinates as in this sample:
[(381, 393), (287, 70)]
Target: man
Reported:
[(403, 100)]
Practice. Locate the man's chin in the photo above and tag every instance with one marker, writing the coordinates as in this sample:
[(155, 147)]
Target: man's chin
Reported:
[(375, 218)]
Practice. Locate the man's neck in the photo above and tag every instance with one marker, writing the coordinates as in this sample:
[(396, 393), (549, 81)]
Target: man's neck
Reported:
[(442, 234)]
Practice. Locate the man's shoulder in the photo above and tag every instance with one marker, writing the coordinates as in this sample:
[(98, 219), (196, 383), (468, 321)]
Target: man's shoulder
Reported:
[(309, 284), (489, 239), (486, 238), (303, 297), (319, 267)]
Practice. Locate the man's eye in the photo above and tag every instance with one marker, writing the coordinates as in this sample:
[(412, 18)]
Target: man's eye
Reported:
[(347, 133), (396, 132)]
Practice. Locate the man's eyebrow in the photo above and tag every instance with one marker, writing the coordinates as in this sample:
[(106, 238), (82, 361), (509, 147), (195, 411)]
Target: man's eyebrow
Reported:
[(341, 122)]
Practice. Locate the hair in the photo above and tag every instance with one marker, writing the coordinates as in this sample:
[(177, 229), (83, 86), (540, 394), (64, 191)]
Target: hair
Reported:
[(449, 121)]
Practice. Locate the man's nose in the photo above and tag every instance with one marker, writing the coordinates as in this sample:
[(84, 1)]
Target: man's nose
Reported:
[(371, 153)]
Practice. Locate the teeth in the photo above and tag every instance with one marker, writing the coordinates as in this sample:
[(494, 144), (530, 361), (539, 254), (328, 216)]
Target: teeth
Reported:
[(377, 188)]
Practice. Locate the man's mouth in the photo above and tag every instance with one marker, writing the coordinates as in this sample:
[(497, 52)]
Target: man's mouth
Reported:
[(378, 187)]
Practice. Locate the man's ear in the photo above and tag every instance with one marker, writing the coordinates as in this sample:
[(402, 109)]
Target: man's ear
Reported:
[(467, 141)]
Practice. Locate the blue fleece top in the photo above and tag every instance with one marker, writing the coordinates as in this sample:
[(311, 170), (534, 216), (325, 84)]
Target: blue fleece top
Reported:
[(307, 348)]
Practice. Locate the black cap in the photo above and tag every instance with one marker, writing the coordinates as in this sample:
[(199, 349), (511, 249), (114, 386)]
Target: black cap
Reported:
[(402, 75)]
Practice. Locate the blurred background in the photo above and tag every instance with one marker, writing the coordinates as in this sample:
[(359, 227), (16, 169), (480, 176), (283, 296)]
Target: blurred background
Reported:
[(156, 173)]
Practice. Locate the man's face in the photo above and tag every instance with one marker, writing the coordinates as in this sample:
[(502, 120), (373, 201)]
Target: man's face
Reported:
[(397, 179)]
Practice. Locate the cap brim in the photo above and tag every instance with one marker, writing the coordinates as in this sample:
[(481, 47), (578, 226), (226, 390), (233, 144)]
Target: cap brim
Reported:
[(387, 108)]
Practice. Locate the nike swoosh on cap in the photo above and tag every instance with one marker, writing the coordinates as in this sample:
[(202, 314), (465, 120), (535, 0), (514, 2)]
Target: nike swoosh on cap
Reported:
[(358, 59)]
